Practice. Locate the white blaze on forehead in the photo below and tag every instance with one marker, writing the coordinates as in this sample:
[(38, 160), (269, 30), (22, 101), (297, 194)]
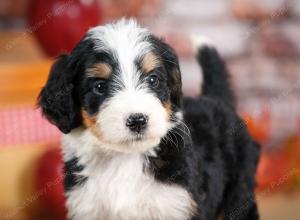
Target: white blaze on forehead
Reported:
[(126, 41)]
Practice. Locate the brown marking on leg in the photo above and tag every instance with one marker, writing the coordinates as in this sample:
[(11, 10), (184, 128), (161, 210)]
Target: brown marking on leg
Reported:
[(101, 70)]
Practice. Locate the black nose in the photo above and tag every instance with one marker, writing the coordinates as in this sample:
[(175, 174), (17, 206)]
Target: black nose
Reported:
[(137, 122)]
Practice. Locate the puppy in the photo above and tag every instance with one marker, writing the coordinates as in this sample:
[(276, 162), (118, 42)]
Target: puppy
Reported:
[(134, 148)]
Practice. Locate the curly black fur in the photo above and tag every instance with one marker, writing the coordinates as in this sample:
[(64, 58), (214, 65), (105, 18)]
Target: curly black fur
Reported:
[(217, 160)]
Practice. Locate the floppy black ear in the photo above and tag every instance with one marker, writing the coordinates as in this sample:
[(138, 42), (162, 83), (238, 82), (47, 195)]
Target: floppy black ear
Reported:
[(171, 64), (57, 99), (174, 81)]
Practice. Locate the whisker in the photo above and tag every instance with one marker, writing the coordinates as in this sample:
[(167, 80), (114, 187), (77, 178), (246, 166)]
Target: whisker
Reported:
[(183, 140), (171, 139), (177, 142)]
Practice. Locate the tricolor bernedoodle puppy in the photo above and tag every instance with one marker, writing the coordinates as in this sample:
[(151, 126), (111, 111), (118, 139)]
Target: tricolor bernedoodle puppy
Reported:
[(134, 147)]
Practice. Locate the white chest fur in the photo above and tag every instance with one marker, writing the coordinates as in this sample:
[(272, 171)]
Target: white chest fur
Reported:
[(117, 188)]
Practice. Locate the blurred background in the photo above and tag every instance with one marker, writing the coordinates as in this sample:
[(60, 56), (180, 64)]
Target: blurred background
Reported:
[(259, 39)]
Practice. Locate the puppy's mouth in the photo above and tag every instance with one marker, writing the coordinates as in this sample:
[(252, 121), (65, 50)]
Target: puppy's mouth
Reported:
[(132, 139), (138, 137)]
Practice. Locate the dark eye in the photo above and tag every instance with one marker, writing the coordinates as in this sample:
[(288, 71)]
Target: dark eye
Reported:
[(99, 87), (153, 80)]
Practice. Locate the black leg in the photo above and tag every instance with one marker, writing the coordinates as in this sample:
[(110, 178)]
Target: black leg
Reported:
[(240, 204)]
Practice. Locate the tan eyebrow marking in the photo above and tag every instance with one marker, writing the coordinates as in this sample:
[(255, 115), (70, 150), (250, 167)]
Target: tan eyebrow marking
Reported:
[(101, 70), (149, 62)]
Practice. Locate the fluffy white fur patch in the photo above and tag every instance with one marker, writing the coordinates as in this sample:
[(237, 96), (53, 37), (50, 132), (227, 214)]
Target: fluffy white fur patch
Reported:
[(112, 117), (117, 187), (125, 40)]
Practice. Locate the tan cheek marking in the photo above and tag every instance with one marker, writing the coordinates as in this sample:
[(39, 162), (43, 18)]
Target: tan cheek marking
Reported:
[(101, 70), (167, 106), (90, 123), (88, 120), (150, 62)]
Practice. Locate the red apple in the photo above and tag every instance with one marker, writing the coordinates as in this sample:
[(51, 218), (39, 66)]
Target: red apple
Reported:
[(49, 184), (60, 24)]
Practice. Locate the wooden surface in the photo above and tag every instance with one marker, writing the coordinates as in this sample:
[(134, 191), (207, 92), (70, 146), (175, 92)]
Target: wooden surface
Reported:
[(280, 206), (23, 68), (19, 46), (20, 83)]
